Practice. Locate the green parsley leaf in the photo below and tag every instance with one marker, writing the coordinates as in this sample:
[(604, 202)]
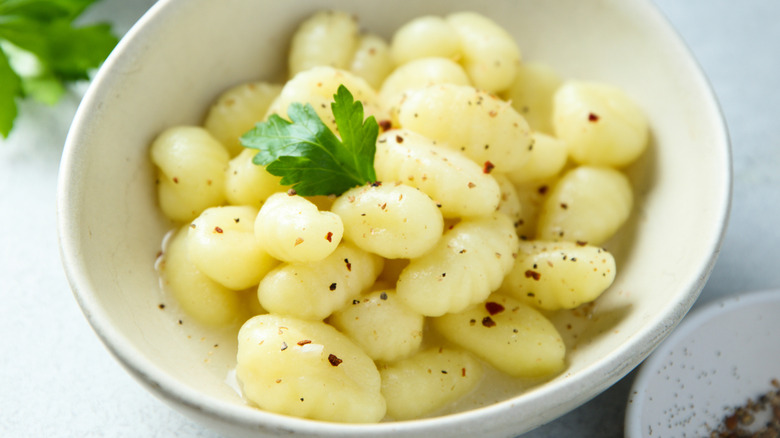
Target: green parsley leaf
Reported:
[(61, 52), (309, 156)]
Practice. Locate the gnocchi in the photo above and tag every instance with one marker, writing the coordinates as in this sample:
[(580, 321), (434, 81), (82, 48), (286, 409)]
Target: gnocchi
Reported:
[(307, 369), (498, 188), (314, 290), (220, 242), (459, 185), (381, 325), (466, 265), (392, 220), (292, 229), (191, 171), (510, 335), (483, 127), (427, 381), (559, 275)]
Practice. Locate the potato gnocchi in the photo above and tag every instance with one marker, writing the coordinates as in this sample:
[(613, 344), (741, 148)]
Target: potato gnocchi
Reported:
[(499, 187)]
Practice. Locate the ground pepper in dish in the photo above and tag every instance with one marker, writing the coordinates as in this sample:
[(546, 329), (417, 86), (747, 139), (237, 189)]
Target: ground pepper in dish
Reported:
[(743, 421)]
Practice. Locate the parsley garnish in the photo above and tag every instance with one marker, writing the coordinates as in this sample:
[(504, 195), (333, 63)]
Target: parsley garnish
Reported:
[(41, 50), (309, 156)]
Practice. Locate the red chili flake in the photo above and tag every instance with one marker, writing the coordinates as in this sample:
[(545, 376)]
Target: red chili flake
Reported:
[(334, 360), (385, 125), (593, 117), (493, 307), (291, 192), (472, 185), (492, 113), (581, 243), (488, 167), (329, 237), (376, 183), (332, 286), (349, 265), (175, 180), (298, 241), (488, 322), (533, 274), (304, 342), (218, 230), (463, 372), (564, 205), (399, 139)]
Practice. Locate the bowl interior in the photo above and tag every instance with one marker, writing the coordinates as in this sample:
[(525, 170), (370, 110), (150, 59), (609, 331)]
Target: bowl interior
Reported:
[(183, 53)]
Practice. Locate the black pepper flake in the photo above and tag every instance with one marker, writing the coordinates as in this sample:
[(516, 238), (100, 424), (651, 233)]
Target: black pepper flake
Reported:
[(493, 307), (564, 205), (472, 321), (161, 306), (291, 192), (542, 189), (236, 219), (444, 371), (383, 296), (385, 125), (399, 139), (349, 265), (334, 360), (332, 286), (488, 322), (376, 183), (181, 322), (581, 243), (355, 301), (284, 345)]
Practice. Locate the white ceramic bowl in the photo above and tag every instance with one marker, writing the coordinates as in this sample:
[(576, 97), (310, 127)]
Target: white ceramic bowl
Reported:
[(182, 53), (722, 355)]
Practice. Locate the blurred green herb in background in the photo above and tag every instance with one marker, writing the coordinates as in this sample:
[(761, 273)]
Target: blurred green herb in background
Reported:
[(41, 50)]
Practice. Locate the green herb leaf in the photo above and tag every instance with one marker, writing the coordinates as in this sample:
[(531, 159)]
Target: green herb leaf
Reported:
[(43, 30), (309, 156)]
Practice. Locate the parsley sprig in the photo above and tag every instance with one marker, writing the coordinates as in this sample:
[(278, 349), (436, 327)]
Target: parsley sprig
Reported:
[(309, 156), (41, 50)]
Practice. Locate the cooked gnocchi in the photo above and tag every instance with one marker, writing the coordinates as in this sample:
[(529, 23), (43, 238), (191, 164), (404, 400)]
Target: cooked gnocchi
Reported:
[(498, 188)]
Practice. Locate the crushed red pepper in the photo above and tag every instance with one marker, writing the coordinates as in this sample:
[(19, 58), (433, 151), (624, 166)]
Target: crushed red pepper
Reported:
[(334, 360)]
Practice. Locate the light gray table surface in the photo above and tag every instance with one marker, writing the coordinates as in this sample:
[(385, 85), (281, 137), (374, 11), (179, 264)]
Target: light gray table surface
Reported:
[(57, 379)]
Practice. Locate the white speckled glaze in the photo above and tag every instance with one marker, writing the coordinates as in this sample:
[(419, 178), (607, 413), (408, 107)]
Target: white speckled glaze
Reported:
[(182, 53), (722, 355)]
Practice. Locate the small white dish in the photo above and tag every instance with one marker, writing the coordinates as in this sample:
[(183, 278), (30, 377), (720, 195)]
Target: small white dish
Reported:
[(719, 357)]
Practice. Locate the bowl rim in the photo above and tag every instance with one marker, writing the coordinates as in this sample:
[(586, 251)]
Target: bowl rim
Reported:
[(619, 363)]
